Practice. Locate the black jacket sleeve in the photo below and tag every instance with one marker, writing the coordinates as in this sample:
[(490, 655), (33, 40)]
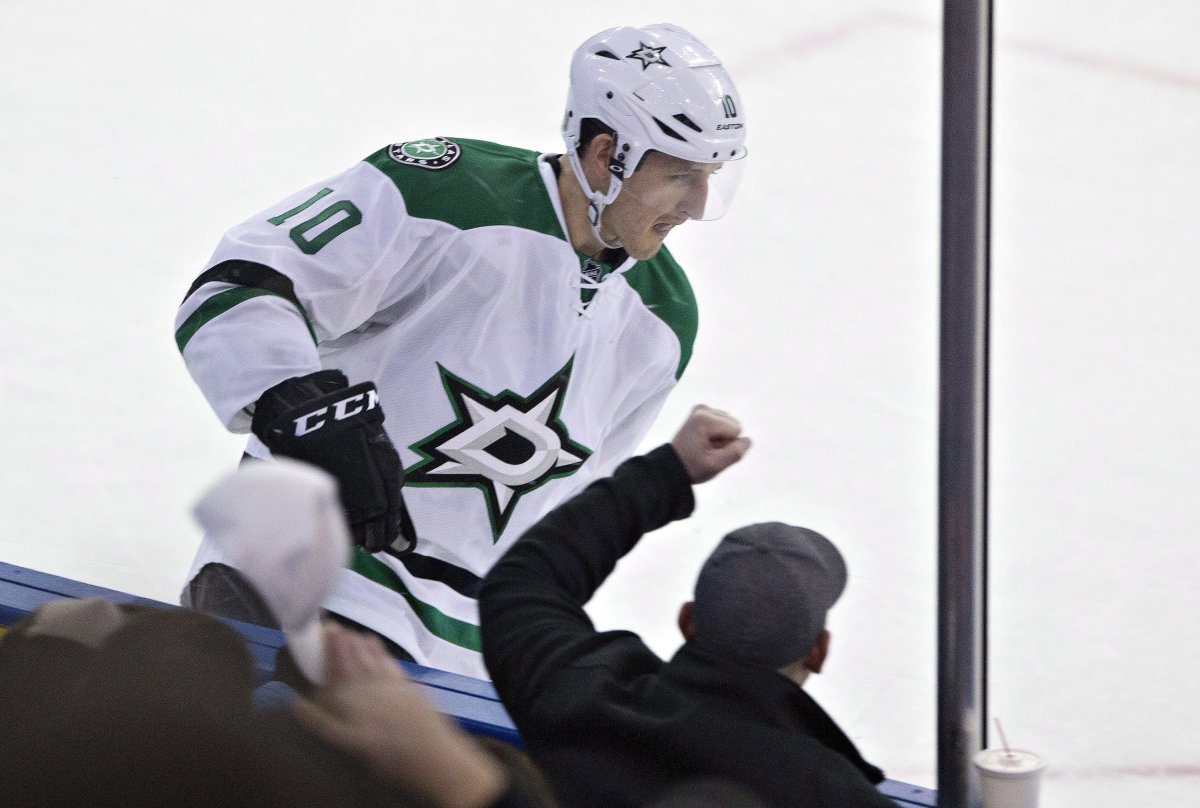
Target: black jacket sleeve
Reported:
[(531, 603)]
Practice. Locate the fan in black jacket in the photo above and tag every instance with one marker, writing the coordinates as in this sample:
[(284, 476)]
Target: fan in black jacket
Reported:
[(613, 725)]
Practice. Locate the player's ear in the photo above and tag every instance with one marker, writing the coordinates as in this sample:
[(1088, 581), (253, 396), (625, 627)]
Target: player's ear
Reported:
[(595, 159), (687, 620), (600, 148), (816, 657)]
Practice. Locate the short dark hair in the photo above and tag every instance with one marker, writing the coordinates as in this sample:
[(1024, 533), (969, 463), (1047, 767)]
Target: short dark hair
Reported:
[(590, 128), (159, 713), (171, 755), (173, 656)]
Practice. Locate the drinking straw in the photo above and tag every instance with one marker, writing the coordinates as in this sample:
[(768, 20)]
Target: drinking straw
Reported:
[(1003, 740)]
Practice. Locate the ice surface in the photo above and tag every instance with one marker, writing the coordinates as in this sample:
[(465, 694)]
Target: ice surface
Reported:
[(135, 133)]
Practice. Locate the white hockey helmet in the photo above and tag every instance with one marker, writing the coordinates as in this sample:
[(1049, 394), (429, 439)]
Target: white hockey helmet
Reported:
[(658, 88)]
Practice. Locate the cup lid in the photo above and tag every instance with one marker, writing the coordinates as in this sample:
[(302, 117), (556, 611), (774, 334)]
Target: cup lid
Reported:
[(1010, 763)]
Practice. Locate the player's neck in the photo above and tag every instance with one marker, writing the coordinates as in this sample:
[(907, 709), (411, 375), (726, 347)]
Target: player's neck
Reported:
[(575, 212)]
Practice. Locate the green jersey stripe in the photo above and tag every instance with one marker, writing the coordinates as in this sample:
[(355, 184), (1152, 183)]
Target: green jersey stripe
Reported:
[(440, 624), (665, 290), (220, 303)]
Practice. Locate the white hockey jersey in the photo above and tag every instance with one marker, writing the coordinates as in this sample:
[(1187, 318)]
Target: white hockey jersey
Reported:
[(511, 369)]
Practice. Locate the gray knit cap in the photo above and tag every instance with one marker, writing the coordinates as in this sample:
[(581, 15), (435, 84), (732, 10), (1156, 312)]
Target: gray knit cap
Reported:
[(763, 593)]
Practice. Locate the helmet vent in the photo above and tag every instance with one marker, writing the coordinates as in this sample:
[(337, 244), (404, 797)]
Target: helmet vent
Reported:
[(607, 54), (668, 131), (688, 122)]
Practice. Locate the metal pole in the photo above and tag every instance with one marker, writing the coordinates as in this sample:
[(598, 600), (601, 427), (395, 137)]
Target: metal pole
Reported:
[(963, 395)]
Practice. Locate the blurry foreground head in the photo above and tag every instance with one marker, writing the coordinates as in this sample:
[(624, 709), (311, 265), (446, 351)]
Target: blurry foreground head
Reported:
[(172, 755), (763, 594), (121, 656), (107, 704), (281, 525)]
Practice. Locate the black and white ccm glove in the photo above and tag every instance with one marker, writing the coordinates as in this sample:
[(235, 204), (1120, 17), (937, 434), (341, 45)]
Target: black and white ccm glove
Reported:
[(321, 420)]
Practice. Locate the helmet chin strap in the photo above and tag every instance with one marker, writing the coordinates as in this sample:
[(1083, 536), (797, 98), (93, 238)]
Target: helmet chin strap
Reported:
[(595, 211), (597, 201)]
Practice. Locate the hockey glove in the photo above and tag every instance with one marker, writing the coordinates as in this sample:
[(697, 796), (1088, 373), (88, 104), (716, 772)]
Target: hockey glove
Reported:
[(321, 420)]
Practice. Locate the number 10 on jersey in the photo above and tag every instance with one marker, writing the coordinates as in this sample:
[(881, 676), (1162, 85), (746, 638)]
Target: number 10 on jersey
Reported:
[(316, 231)]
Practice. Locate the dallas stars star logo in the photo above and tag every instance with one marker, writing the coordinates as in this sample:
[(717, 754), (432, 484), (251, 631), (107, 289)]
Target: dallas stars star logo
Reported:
[(433, 153), (506, 445), (649, 56)]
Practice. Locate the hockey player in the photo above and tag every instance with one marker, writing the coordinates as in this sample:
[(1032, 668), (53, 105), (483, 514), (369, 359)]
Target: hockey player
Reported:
[(513, 314)]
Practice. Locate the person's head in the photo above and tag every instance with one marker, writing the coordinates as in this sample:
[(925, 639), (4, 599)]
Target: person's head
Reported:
[(172, 755), (170, 656), (655, 133), (109, 704), (762, 597), (121, 656), (44, 658)]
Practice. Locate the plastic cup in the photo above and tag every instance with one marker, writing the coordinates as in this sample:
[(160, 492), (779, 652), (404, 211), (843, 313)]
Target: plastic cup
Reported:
[(1009, 778)]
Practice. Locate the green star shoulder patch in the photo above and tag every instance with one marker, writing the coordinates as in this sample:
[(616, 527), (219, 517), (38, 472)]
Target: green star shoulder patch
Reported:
[(432, 153)]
